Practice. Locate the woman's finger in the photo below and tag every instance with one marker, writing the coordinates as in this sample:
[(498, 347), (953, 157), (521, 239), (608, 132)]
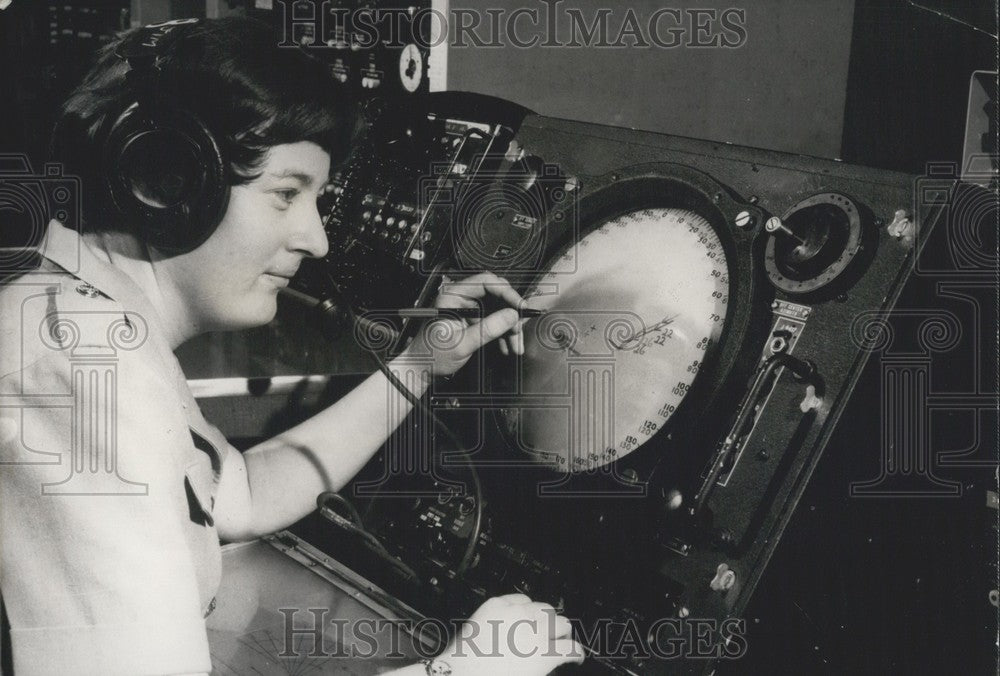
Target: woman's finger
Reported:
[(567, 650), (491, 328), (517, 342), (451, 296), (501, 288), (562, 628), (479, 285), (542, 607)]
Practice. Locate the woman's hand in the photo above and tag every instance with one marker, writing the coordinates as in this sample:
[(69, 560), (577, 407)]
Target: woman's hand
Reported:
[(450, 342), (512, 635)]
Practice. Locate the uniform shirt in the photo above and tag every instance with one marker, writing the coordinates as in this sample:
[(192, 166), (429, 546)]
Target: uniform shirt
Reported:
[(109, 558)]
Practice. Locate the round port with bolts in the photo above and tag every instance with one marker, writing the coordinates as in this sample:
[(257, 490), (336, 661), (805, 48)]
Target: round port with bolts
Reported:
[(778, 344)]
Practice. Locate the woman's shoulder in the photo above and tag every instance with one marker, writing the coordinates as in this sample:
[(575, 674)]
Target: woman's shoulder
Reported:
[(48, 314)]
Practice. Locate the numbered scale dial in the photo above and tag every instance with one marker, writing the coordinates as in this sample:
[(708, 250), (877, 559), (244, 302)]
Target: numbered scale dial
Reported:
[(632, 308)]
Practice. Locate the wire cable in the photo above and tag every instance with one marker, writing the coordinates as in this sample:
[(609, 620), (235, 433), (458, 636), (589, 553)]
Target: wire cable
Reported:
[(477, 488), (351, 527), (329, 307)]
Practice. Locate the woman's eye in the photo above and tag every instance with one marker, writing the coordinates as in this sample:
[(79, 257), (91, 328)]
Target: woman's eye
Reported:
[(287, 195)]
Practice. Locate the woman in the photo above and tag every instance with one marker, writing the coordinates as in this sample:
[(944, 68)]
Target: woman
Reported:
[(115, 491)]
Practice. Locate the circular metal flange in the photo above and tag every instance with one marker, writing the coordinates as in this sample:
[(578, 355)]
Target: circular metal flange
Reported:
[(820, 237)]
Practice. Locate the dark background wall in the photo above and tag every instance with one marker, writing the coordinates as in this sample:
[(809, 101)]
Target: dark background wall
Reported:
[(876, 82), (908, 83), (782, 88)]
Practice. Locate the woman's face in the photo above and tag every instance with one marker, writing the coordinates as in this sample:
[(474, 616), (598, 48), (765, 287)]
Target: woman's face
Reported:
[(232, 280)]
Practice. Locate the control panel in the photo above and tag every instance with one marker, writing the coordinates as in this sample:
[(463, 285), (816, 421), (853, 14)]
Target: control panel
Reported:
[(393, 214), (698, 339)]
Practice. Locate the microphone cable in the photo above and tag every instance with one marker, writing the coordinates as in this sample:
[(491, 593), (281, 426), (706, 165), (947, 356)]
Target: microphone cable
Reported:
[(328, 309)]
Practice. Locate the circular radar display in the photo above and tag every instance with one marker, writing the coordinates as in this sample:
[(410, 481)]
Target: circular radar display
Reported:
[(631, 309)]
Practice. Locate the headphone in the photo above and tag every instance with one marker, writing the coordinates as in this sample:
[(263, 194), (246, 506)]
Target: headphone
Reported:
[(164, 170)]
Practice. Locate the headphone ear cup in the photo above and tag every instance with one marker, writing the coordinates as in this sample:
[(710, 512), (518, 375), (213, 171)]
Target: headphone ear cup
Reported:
[(166, 177)]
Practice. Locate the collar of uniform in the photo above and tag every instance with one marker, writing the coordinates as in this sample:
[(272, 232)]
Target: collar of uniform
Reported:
[(66, 248)]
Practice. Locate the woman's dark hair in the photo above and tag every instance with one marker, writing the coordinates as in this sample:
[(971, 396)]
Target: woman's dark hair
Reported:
[(231, 73)]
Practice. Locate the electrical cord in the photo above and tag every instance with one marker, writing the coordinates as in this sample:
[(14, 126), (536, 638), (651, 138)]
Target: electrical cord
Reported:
[(477, 521), (347, 504), (357, 529)]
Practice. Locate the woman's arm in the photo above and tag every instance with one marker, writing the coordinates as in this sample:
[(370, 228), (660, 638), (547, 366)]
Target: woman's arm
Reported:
[(275, 483)]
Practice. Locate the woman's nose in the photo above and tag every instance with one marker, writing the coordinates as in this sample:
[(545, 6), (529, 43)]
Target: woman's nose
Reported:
[(311, 236)]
